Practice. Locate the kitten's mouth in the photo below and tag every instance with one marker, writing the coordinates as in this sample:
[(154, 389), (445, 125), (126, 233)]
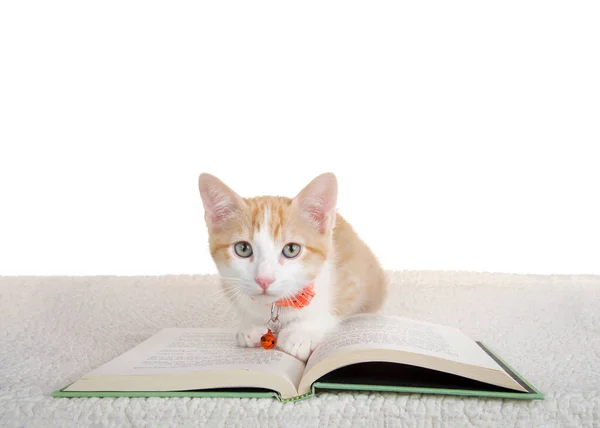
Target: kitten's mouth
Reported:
[(265, 296)]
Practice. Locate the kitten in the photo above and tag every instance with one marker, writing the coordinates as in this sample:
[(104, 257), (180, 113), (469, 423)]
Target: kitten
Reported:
[(271, 248)]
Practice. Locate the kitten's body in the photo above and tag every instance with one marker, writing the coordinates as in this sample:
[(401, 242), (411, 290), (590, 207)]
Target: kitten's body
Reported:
[(346, 275)]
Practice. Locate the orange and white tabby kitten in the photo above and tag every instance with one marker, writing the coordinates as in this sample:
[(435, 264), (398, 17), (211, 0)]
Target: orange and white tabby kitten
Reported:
[(270, 248)]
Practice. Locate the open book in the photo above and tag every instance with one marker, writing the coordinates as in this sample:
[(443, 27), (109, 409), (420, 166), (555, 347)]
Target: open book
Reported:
[(366, 352)]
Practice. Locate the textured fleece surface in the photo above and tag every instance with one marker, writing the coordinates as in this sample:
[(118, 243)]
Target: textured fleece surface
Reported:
[(55, 329)]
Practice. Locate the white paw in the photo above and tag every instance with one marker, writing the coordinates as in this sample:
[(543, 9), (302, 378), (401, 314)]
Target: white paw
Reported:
[(250, 337), (298, 343)]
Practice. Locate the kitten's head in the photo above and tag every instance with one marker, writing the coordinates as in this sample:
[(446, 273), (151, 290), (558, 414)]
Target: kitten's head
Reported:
[(267, 248)]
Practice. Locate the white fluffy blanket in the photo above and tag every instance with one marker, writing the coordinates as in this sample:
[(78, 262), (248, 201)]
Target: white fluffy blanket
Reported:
[(55, 329)]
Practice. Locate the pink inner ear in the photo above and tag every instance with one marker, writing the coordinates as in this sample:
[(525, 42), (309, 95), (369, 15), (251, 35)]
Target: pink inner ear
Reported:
[(215, 221), (318, 217), (316, 202), (220, 202), (220, 216), (218, 210)]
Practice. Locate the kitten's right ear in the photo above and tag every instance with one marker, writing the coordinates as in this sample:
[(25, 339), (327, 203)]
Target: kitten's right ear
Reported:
[(220, 202)]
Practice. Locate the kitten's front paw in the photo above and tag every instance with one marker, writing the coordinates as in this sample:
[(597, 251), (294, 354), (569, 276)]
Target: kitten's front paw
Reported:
[(297, 342), (250, 337)]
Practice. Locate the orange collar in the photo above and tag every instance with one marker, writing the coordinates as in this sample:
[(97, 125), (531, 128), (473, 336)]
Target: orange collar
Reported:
[(301, 300)]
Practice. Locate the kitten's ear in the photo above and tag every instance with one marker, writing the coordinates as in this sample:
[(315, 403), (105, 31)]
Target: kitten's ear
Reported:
[(220, 202), (316, 202)]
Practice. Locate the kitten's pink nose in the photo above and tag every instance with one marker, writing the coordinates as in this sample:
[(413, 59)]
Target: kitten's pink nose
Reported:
[(264, 281)]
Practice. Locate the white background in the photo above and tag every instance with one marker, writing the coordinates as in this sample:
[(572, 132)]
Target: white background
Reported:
[(463, 134)]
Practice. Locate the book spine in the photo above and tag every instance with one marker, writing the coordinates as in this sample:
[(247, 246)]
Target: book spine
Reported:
[(299, 397)]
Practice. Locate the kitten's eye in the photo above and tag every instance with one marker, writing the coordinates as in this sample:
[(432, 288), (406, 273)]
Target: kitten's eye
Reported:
[(291, 250), (243, 249)]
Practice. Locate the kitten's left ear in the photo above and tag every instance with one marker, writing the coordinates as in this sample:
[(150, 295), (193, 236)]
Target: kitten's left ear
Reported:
[(317, 201)]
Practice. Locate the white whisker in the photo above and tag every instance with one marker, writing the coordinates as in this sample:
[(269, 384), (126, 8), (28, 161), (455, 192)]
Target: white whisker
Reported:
[(233, 301)]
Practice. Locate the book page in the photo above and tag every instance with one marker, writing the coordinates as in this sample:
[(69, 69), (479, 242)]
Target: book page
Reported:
[(197, 349), (368, 331)]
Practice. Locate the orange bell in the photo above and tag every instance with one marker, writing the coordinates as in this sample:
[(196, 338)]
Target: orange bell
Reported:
[(268, 340)]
